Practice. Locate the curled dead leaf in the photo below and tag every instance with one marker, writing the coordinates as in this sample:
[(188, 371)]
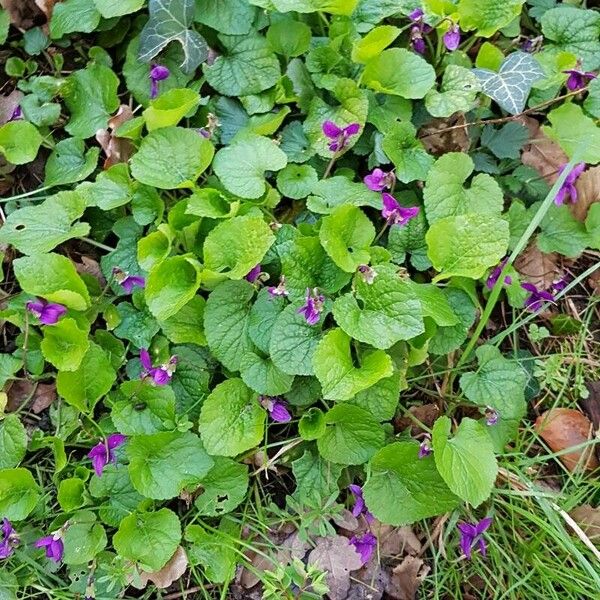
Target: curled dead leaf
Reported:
[(588, 518), (439, 137), (338, 558), (117, 149), (406, 578), (538, 268), (171, 572), (563, 428), (588, 192)]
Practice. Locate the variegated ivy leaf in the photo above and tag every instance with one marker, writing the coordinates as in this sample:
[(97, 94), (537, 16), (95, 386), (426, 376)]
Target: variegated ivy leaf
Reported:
[(170, 20), (457, 92), (510, 87)]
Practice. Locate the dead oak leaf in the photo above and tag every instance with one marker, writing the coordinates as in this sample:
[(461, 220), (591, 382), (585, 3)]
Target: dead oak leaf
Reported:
[(338, 558), (171, 572), (563, 428), (538, 268), (406, 578)]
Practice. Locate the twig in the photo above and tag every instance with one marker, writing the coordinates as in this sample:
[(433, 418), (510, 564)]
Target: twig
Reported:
[(502, 119)]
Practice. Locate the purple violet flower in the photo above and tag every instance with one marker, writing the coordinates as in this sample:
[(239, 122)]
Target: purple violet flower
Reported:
[(279, 289), (416, 15), (558, 285), (359, 508), (48, 313), (471, 534), (495, 275), (17, 114), (8, 540), (339, 136), (379, 180), (253, 274), (103, 452), (157, 73), (396, 214), (452, 38), (160, 375), (491, 416), (127, 281), (425, 447), (365, 546), (367, 273), (313, 307), (568, 189), (416, 39), (53, 544), (536, 298), (276, 407), (577, 80)]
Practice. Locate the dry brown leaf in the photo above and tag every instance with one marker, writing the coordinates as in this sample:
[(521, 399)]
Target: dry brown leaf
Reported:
[(455, 140), (588, 192), (291, 547), (261, 563), (538, 268), (426, 413), (117, 150), (46, 6), (91, 267), (562, 428), (369, 583), (591, 404), (406, 578), (8, 104), (19, 393), (346, 520), (588, 518), (23, 14), (43, 397), (338, 558), (543, 154), (171, 572), (394, 541)]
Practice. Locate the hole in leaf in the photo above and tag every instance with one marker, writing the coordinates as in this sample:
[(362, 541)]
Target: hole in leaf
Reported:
[(20, 227)]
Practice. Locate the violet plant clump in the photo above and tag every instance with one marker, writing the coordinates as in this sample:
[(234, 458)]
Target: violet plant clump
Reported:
[(253, 252)]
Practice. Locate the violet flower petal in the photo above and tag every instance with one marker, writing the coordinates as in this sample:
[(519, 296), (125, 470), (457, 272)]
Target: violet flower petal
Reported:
[(331, 130), (253, 274), (365, 546), (279, 413)]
